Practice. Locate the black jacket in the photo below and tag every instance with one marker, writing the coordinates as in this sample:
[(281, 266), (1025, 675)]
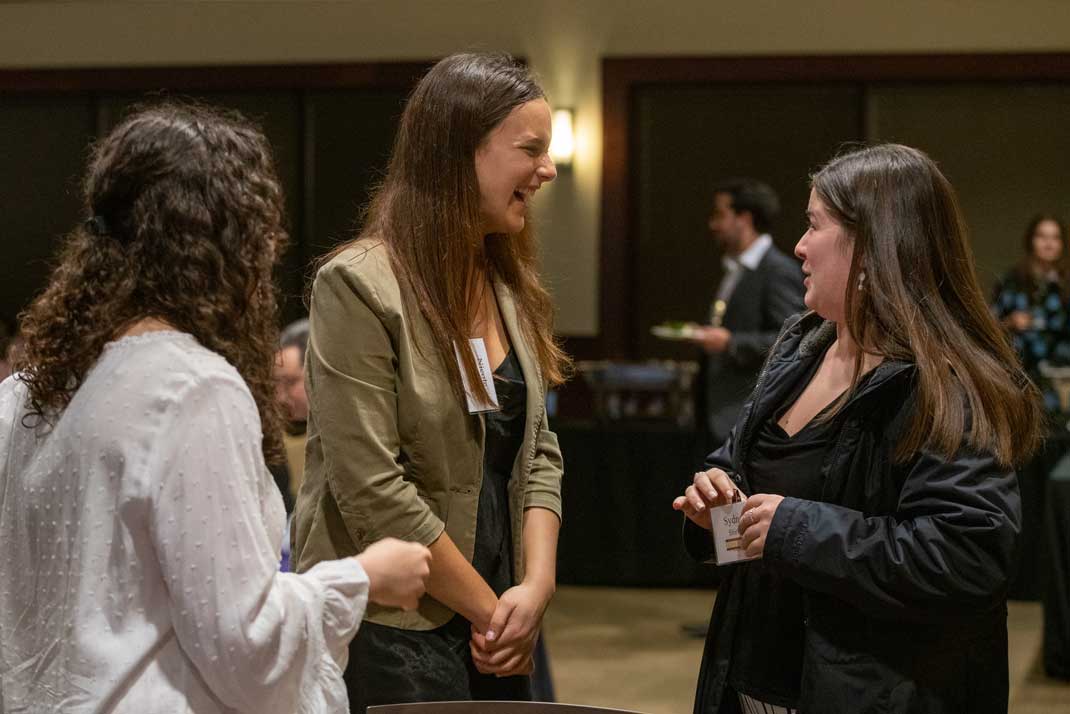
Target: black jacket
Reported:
[(763, 298), (904, 566)]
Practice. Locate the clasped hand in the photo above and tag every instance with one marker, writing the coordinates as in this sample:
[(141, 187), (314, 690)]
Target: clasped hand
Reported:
[(714, 488), (506, 648)]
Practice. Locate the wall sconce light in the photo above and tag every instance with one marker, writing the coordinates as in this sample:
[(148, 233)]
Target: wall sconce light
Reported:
[(563, 144)]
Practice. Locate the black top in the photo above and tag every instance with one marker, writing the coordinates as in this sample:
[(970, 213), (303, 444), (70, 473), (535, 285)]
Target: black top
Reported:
[(389, 664), (493, 554), (768, 649)]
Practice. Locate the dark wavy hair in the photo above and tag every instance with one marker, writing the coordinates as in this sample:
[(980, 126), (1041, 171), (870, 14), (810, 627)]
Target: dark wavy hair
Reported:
[(185, 220), (754, 197), (427, 210), (922, 303)]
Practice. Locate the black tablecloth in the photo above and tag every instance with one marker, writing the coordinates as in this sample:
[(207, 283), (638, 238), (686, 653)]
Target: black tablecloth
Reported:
[(618, 526), (1057, 590), (1030, 573)]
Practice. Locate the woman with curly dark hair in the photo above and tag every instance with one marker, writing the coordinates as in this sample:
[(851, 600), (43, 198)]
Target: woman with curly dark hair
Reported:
[(139, 524)]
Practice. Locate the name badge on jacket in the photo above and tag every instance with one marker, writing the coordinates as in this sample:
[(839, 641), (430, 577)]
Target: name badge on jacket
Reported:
[(486, 375)]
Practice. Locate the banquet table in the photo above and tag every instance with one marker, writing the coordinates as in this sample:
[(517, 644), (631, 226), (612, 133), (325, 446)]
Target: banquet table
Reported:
[(1057, 581), (618, 526)]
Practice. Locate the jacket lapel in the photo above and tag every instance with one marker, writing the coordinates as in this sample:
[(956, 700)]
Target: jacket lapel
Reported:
[(507, 308), (742, 299)]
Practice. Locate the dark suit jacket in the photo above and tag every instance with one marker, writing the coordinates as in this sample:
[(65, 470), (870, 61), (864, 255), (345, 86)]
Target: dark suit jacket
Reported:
[(763, 299)]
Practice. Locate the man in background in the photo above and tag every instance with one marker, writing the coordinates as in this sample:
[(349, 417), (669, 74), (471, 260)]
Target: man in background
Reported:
[(290, 392), (5, 336), (760, 288), (10, 350)]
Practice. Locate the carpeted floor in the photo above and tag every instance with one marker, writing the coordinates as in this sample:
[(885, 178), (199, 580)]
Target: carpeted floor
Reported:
[(622, 648)]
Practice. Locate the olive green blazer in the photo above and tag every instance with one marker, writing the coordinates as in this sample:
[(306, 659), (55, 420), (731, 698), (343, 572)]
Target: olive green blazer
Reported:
[(391, 450)]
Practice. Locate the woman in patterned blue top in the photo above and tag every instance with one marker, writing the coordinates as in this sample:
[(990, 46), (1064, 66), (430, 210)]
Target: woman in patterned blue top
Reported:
[(1032, 301)]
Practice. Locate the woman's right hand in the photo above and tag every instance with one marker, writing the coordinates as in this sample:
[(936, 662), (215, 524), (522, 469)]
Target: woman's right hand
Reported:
[(708, 489), (397, 572)]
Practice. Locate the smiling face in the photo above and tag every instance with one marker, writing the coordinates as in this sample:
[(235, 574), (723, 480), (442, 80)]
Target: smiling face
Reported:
[(511, 165), (826, 251), (1047, 242)]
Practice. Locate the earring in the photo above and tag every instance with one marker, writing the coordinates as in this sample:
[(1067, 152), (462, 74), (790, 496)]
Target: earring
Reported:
[(861, 278)]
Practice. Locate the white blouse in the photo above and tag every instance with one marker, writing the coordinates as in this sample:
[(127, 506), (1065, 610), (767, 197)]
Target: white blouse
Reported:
[(138, 550)]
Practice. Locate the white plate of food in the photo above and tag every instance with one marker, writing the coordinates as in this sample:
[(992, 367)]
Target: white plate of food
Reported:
[(675, 330)]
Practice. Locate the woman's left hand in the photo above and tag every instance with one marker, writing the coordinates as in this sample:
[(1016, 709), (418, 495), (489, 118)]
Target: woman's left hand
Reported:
[(754, 521), (506, 648)]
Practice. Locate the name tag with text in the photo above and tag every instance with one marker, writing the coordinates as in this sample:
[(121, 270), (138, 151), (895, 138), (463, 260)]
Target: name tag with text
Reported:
[(727, 542), (486, 375)]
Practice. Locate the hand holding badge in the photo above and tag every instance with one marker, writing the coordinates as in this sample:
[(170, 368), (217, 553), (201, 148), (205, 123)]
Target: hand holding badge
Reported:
[(738, 524), (756, 516), (727, 539)]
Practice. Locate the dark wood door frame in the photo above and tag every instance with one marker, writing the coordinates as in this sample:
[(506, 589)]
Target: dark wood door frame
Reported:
[(215, 78), (622, 76)]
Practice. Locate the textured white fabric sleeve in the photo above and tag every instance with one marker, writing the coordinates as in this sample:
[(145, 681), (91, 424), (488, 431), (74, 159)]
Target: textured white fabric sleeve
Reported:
[(10, 404), (263, 641)]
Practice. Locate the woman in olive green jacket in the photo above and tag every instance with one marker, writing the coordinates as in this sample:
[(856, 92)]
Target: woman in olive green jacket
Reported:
[(430, 354)]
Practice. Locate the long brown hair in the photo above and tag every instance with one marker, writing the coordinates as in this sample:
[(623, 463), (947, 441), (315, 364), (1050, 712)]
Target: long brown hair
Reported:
[(427, 210), (1025, 271), (922, 303), (184, 222)]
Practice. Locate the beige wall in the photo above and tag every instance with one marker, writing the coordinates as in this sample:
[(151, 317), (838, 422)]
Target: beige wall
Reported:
[(564, 40)]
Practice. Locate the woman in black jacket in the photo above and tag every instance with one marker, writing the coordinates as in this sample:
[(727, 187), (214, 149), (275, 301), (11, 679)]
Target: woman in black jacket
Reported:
[(878, 445)]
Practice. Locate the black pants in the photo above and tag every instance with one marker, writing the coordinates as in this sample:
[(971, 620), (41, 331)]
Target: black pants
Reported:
[(392, 666)]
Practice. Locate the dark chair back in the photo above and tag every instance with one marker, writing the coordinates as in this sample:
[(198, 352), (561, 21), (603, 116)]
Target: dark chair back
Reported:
[(491, 708)]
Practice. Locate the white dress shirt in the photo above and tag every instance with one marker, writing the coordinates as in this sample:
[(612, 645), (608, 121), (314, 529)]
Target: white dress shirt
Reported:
[(733, 265), (138, 550)]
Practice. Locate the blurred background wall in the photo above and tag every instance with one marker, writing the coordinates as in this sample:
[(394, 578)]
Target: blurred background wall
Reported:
[(566, 42)]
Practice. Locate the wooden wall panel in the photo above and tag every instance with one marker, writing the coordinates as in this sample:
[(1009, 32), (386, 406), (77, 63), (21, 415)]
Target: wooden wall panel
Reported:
[(43, 142), (688, 137), (330, 126), (622, 320)]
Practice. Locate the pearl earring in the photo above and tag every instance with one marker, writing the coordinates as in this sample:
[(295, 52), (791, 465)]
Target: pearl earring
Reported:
[(861, 279)]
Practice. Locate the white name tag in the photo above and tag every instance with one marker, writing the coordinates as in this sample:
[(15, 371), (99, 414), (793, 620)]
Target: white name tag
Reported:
[(486, 375), (726, 540)]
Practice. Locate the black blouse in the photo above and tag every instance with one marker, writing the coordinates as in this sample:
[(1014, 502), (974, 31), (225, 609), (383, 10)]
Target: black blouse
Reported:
[(768, 648), (493, 554)]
